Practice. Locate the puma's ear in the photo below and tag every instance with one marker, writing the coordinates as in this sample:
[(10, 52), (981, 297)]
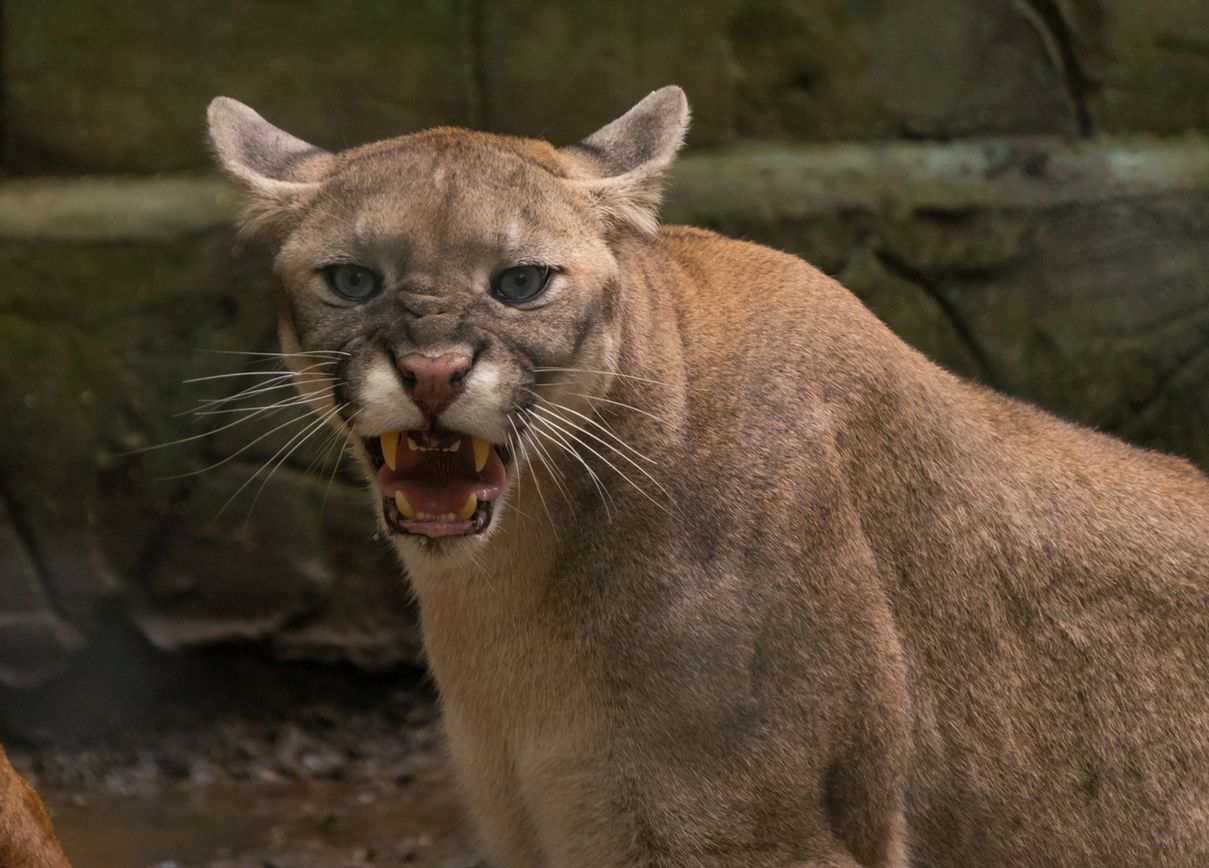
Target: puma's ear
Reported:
[(276, 170), (631, 156)]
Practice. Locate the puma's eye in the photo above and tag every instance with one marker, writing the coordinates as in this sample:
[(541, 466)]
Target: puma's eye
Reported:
[(352, 281), (522, 283)]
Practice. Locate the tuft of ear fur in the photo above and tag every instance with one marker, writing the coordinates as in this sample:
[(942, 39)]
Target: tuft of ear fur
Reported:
[(632, 155), (277, 171)]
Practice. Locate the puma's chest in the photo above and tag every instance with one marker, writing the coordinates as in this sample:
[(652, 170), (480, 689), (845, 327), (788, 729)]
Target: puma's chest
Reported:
[(507, 657)]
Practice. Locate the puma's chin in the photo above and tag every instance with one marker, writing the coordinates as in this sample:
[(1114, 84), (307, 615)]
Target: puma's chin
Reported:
[(437, 483)]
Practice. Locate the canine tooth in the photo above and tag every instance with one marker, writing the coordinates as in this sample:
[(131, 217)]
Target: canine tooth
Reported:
[(390, 448), (481, 448), (468, 508), (411, 444), (404, 507)]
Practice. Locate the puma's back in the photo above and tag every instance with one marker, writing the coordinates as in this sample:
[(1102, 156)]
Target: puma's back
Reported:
[(712, 568), (1049, 585)]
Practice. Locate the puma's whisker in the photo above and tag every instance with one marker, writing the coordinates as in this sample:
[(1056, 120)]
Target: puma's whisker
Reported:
[(547, 423), (235, 374), (555, 407), (272, 386), (605, 498), (292, 446), (294, 421), (342, 450), (609, 373), (301, 354), (275, 376), (294, 401), (631, 407), (552, 468), (552, 414), (524, 454)]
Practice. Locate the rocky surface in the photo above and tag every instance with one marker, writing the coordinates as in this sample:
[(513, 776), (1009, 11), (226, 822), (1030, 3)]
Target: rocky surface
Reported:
[(291, 768), (107, 88)]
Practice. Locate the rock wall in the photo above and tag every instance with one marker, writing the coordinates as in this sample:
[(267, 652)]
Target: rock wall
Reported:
[(1020, 189)]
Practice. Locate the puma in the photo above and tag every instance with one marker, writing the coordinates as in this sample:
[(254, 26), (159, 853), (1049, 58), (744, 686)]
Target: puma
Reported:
[(27, 838), (713, 569)]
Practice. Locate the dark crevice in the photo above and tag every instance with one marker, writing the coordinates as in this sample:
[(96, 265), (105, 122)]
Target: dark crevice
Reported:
[(1078, 85), (1183, 45), (29, 541), (931, 288), (475, 51), (3, 94), (1194, 357)]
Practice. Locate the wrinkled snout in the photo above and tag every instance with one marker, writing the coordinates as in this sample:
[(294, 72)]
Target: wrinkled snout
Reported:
[(433, 383)]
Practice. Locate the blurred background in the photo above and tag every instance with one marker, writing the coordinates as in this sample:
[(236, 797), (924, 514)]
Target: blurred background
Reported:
[(1020, 188)]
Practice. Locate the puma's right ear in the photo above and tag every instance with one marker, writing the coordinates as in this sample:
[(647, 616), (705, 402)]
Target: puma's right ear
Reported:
[(276, 170), (632, 154)]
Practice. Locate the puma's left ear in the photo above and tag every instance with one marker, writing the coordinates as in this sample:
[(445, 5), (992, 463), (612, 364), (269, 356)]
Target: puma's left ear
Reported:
[(276, 170), (631, 155)]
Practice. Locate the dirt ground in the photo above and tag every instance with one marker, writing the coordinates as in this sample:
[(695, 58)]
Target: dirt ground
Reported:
[(294, 768)]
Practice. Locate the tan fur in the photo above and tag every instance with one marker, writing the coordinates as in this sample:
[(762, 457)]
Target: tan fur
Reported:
[(870, 615), (27, 838)]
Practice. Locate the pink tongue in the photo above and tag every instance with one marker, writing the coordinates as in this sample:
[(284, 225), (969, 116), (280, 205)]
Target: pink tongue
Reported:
[(437, 493)]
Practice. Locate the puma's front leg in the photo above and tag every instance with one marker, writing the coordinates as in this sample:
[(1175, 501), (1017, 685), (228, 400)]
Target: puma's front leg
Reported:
[(700, 801), (487, 780)]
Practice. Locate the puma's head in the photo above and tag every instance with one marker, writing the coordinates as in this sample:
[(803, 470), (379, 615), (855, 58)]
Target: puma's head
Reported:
[(433, 285)]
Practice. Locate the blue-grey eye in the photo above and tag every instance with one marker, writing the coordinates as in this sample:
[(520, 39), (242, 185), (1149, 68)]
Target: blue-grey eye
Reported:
[(354, 282), (520, 283)]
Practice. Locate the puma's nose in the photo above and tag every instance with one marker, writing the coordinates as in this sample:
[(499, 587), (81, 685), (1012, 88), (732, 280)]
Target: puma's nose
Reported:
[(434, 382)]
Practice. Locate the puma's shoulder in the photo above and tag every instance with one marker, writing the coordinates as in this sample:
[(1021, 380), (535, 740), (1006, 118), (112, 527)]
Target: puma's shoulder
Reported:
[(741, 283), (703, 251)]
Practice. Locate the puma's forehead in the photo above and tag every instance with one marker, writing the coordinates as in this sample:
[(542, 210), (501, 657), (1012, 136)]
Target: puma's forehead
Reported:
[(446, 189), (454, 167), (434, 199), (448, 144)]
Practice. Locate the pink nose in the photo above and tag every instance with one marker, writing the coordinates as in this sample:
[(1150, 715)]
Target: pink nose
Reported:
[(434, 383)]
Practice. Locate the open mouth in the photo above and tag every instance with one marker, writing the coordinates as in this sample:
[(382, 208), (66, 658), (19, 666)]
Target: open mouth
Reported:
[(437, 483)]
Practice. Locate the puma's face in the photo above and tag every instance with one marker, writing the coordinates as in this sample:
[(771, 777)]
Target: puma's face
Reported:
[(434, 286), (454, 275)]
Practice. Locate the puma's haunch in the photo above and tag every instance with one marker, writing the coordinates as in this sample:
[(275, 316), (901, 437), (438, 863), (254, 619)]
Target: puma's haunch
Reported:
[(27, 838)]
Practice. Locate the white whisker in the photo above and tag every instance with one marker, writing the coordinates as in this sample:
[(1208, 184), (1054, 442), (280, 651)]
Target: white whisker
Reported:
[(552, 424), (621, 404), (206, 406), (609, 373), (182, 440), (550, 405), (241, 450), (302, 354), (551, 466), (605, 497), (234, 374), (293, 401), (292, 445), (520, 439), (341, 454)]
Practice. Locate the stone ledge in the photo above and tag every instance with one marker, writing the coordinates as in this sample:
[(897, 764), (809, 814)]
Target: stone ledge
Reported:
[(760, 183)]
